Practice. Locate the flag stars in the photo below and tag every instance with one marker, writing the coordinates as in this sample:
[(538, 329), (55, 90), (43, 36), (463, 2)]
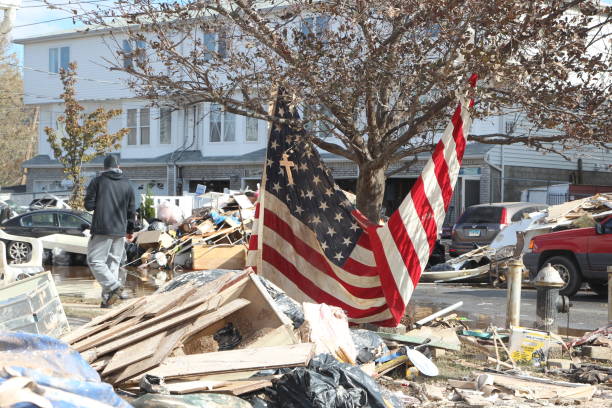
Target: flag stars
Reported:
[(329, 192), (347, 241), (299, 210), (276, 187), (269, 163), (323, 205), (303, 166), (316, 179), (331, 232), (316, 220), (338, 217), (273, 145), (354, 227), (338, 256), (309, 194)]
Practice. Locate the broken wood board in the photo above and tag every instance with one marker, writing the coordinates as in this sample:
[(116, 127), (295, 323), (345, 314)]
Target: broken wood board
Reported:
[(168, 343), (255, 359), (134, 353), (167, 324), (100, 337), (402, 338), (205, 257), (160, 303), (242, 387), (188, 387), (542, 388)]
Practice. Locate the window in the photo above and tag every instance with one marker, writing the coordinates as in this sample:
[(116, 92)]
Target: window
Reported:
[(59, 58), (165, 126), (70, 221), (315, 25), (138, 123), (222, 125), (322, 128), (133, 49), (44, 219), (215, 42), (252, 129)]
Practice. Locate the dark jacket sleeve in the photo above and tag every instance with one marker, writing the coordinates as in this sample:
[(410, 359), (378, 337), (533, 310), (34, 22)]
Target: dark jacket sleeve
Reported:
[(91, 195), (131, 212)]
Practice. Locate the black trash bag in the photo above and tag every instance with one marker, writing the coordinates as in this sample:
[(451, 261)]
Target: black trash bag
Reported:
[(197, 279), (288, 306), (370, 345), (327, 383), (157, 225), (227, 337)]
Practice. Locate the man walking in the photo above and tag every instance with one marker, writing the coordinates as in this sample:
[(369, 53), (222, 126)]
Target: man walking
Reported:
[(111, 198)]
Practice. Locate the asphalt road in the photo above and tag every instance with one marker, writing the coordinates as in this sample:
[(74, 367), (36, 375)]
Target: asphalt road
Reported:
[(485, 305)]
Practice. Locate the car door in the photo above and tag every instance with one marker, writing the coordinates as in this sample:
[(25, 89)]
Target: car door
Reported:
[(71, 224), (600, 251), (43, 223)]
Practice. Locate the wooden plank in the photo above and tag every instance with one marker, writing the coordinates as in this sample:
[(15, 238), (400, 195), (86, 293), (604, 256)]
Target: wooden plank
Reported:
[(222, 312), (187, 387), (99, 338), (205, 257), (296, 355), (242, 387), (168, 344), (114, 312), (117, 334), (418, 340), (169, 300), (134, 353), (82, 333)]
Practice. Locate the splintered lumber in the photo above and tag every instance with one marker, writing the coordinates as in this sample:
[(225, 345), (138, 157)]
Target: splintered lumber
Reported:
[(170, 341), (222, 312), (187, 387), (402, 338), (100, 337), (101, 322), (241, 387), (161, 303), (134, 353), (296, 355), (108, 336), (205, 257)]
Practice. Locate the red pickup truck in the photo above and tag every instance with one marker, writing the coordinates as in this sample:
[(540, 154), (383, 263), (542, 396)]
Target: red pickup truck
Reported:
[(581, 254)]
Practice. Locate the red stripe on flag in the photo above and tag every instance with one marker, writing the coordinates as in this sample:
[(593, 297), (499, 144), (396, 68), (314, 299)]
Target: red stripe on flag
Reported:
[(314, 257), (387, 280), (285, 267), (457, 121)]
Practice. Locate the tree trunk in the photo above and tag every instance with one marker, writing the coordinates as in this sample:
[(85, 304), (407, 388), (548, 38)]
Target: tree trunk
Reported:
[(370, 190)]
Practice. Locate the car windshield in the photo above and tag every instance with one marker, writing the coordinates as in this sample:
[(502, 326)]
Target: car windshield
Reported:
[(489, 215)]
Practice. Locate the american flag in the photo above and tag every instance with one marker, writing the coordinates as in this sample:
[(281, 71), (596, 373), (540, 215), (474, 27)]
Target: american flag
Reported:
[(311, 241)]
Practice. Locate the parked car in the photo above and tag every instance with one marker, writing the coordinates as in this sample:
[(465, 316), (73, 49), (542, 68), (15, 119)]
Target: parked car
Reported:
[(481, 223), (580, 255), (48, 201), (40, 223)]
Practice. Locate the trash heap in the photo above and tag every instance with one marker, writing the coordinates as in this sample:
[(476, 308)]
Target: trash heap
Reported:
[(512, 241), (211, 237), (231, 338)]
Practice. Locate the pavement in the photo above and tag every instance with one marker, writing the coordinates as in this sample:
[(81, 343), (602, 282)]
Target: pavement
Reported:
[(486, 305)]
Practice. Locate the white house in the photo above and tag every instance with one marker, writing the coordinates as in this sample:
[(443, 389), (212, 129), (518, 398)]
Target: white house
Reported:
[(172, 152)]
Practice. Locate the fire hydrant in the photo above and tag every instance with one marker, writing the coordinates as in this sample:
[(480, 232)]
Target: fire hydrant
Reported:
[(548, 282)]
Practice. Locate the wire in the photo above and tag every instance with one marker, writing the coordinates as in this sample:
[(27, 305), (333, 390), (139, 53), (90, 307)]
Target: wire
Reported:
[(53, 20), (52, 5), (55, 73)]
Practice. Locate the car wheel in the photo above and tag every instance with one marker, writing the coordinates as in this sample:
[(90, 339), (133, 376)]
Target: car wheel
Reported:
[(600, 288), (569, 273), (19, 251)]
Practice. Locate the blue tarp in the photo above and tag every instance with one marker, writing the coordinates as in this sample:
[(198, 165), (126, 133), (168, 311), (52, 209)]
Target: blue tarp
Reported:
[(67, 380)]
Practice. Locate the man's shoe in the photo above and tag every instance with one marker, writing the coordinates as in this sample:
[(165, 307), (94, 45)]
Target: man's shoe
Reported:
[(110, 297), (124, 294)]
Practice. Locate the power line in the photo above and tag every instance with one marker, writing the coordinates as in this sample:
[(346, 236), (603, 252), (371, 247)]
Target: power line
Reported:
[(53, 20), (51, 5), (55, 73)]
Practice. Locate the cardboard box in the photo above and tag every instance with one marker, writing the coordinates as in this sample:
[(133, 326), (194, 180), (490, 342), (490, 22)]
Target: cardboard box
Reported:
[(154, 239), (205, 257)]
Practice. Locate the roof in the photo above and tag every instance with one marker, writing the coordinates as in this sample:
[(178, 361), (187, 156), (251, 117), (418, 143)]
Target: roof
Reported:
[(194, 157), (76, 32)]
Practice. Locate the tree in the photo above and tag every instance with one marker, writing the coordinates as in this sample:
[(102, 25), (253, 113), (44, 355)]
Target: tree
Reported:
[(18, 126), (148, 210), (377, 79), (81, 136)]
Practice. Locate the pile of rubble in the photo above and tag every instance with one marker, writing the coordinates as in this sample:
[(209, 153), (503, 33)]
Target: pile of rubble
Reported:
[(212, 237)]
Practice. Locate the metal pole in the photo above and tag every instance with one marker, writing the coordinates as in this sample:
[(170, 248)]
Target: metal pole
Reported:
[(513, 310), (610, 293)]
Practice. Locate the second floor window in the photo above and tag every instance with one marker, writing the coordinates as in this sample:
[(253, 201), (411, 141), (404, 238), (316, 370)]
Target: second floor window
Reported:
[(215, 42), (59, 58), (138, 123), (315, 25), (222, 125), (252, 129), (133, 50), (165, 126)]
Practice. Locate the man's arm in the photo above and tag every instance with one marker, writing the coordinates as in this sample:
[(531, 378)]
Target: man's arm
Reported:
[(131, 212), (90, 196)]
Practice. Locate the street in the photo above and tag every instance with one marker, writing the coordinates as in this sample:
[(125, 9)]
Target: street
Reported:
[(485, 305)]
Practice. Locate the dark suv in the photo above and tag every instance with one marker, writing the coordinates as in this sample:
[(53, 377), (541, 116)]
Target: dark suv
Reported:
[(481, 223)]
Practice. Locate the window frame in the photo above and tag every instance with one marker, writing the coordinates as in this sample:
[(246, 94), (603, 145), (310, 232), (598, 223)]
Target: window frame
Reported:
[(219, 42), (165, 114), (59, 58), (246, 129), (216, 111), (63, 214), (129, 47), (55, 223), (137, 126)]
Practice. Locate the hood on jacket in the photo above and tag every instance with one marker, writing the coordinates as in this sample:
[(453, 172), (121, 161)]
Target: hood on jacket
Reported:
[(114, 174)]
